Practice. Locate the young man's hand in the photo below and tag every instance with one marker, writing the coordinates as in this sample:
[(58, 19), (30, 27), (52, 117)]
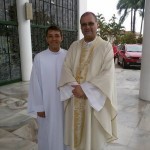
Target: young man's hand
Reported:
[(41, 114)]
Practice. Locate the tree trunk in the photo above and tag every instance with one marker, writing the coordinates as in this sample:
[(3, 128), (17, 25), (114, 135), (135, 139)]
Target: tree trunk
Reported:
[(142, 23), (131, 19), (134, 20)]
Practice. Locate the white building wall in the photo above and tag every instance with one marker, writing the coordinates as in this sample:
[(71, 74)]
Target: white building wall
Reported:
[(144, 93), (82, 8), (24, 40)]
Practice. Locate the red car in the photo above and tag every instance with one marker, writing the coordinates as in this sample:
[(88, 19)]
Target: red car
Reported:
[(115, 51), (129, 55)]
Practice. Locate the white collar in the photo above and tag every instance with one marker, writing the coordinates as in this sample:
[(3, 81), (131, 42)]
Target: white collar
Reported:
[(55, 53)]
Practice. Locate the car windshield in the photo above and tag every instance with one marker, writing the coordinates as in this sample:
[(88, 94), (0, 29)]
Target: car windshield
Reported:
[(134, 48)]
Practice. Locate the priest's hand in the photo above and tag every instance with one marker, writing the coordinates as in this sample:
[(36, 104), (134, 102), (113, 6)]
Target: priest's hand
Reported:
[(78, 92), (41, 114)]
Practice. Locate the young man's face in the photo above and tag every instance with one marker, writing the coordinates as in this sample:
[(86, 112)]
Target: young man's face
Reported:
[(89, 27), (54, 40)]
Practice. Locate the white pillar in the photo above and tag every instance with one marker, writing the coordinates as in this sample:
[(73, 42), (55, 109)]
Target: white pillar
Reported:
[(144, 93), (82, 9), (24, 40)]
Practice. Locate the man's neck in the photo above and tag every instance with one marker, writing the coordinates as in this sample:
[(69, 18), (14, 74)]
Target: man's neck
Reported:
[(53, 49), (88, 40)]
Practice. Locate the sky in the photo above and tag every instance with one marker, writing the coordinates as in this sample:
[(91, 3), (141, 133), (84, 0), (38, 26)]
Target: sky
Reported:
[(108, 8)]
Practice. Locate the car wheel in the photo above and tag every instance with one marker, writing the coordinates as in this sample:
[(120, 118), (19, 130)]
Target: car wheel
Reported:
[(124, 64)]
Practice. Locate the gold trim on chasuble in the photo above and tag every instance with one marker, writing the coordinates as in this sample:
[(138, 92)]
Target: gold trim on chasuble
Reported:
[(79, 103)]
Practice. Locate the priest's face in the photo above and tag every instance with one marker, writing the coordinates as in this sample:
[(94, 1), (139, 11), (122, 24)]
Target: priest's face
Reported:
[(54, 40), (89, 27)]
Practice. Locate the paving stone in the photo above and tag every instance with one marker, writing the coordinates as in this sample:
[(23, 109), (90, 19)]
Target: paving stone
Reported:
[(18, 130)]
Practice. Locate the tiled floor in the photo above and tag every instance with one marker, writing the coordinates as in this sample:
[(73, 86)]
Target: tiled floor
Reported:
[(18, 131)]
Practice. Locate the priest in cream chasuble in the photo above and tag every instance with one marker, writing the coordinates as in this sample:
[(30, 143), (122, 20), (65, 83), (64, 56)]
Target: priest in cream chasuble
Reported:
[(87, 87)]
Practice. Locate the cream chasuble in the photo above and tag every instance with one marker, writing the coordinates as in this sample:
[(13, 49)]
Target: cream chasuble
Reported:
[(86, 128)]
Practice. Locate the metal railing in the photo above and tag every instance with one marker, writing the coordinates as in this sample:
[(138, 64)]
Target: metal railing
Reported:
[(45, 13)]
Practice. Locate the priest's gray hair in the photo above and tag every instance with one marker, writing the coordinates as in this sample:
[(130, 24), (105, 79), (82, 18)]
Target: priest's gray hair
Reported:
[(88, 13)]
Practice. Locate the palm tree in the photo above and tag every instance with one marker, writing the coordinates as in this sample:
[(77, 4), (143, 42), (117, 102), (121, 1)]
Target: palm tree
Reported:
[(129, 6), (124, 5), (141, 12)]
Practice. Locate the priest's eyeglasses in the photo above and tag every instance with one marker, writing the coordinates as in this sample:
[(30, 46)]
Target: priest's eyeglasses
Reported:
[(90, 24)]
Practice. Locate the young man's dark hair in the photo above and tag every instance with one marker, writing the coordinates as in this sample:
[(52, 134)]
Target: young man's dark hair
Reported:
[(55, 28)]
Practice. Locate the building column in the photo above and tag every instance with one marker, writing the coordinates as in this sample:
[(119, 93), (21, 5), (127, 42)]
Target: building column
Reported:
[(82, 5), (144, 92), (24, 40)]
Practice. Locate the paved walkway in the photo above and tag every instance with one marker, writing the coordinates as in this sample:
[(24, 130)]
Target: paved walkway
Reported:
[(18, 131)]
